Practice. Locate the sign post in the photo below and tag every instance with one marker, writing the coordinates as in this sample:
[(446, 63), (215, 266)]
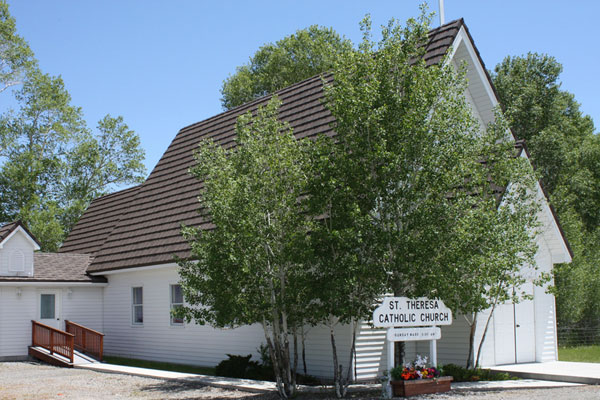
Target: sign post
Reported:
[(401, 315)]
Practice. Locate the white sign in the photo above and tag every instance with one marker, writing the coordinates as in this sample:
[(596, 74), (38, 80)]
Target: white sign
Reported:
[(402, 311), (409, 334)]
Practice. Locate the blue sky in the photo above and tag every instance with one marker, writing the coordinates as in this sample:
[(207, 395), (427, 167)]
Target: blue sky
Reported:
[(160, 64)]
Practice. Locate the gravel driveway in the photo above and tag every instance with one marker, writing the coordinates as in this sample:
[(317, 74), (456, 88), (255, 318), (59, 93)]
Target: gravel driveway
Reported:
[(31, 380)]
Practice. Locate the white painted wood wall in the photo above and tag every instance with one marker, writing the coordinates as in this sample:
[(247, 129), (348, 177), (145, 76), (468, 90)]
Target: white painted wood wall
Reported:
[(17, 243), (83, 305), (192, 344)]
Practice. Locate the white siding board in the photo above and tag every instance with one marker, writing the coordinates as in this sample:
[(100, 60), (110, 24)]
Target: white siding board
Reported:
[(16, 313), (83, 306), (17, 242), (192, 344)]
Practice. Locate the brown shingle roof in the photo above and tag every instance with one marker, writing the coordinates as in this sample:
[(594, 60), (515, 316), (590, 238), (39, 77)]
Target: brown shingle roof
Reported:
[(147, 231), (7, 229), (53, 267), (97, 222)]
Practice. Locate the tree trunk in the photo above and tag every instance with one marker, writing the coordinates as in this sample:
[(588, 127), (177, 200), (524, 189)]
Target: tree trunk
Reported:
[(473, 326), (485, 329), (295, 369), (275, 360), (303, 334), (352, 358), (336, 367)]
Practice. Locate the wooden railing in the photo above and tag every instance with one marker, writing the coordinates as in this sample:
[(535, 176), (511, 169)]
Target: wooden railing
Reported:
[(87, 340), (53, 340)]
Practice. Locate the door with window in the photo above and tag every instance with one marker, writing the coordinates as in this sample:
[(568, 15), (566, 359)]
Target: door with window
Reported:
[(49, 308)]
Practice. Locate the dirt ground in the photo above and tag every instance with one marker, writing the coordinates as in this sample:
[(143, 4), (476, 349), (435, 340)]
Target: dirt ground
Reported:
[(31, 380)]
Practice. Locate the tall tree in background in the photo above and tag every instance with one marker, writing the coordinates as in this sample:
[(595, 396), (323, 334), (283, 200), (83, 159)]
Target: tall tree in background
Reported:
[(16, 58), (566, 152), (299, 56), (51, 164)]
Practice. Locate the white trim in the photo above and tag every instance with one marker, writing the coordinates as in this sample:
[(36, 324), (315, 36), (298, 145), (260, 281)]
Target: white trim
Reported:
[(462, 36), (565, 254), (133, 269), (171, 304), (24, 232), (53, 284), (134, 305)]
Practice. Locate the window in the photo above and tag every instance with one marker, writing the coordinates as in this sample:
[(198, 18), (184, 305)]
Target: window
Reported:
[(176, 302), (137, 305), (47, 309)]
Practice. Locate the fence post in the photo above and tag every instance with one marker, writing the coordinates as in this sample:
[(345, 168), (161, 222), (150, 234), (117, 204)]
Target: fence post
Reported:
[(51, 342)]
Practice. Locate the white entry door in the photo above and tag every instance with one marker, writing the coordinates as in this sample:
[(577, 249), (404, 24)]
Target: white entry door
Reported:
[(504, 334), (49, 308), (525, 327)]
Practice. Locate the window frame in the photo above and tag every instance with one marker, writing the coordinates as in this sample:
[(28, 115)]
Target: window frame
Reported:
[(135, 305), (173, 305)]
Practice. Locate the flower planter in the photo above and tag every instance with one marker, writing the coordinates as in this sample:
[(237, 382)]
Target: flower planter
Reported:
[(421, 386)]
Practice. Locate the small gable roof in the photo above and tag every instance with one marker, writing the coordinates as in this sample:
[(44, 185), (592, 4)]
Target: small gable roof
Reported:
[(7, 230)]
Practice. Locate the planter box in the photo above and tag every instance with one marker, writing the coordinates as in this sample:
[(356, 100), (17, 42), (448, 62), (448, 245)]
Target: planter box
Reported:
[(421, 386)]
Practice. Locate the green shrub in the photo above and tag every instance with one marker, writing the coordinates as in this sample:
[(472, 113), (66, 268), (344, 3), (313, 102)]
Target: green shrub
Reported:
[(236, 366), (462, 374), (242, 367)]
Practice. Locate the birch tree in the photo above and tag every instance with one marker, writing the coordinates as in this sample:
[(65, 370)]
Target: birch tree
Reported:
[(249, 266), (423, 179)]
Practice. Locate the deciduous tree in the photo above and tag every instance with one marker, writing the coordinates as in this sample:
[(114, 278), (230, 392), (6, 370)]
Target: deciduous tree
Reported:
[(566, 152), (306, 53), (249, 266)]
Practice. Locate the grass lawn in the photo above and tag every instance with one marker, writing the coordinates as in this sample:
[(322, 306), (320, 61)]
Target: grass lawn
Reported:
[(132, 362), (580, 354)]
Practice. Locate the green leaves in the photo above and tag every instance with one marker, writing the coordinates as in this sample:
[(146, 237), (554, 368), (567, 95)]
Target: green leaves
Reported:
[(16, 58), (566, 153), (52, 166), (304, 54), (253, 262)]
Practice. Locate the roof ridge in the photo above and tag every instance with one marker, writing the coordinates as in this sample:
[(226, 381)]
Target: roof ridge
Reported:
[(121, 191)]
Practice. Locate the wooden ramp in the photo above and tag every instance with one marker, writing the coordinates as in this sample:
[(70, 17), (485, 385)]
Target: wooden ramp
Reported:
[(79, 345), (44, 355)]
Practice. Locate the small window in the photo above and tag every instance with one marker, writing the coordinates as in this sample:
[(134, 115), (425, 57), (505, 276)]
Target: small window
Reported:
[(176, 303), (137, 304), (16, 262), (47, 308)]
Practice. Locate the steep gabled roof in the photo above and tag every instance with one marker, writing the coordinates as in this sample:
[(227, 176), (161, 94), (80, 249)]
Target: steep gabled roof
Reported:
[(147, 231), (97, 222), (6, 231)]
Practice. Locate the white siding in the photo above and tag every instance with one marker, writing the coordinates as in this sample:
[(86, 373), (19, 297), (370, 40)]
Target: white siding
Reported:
[(83, 306), (16, 312), (192, 344), (17, 243), (545, 316), (371, 352), (319, 354)]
